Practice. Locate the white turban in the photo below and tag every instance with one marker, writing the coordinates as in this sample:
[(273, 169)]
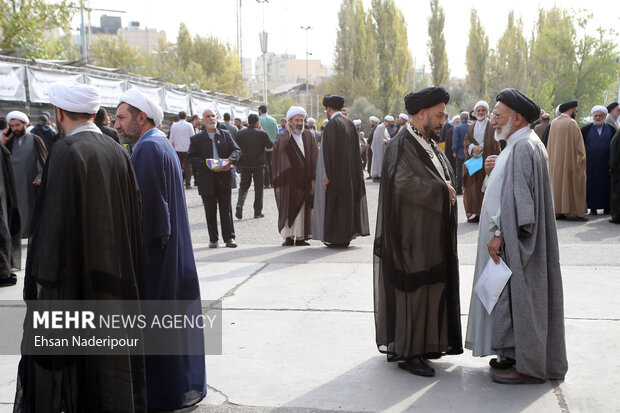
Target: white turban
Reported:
[(557, 110), (325, 121), (16, 114), (294, 111), (482, 103), (76, 97), (357, 122), (374, 119), (389, 118), (312, 120), (455, 118), (599, 108), (138, 100), (403, 116)]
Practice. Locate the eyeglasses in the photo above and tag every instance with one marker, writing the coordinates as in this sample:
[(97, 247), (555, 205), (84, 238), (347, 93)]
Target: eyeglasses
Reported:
[(496, 116)]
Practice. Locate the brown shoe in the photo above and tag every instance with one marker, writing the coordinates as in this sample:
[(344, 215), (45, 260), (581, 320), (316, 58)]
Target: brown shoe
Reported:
[(512, 376)]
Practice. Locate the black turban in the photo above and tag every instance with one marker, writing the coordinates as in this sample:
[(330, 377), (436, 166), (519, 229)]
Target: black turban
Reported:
[(612, 106), (333, 101), (426, 98), (568, 105), (520, 103)]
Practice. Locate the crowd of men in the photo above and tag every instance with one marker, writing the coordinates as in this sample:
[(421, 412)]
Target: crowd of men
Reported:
[(518, 172)]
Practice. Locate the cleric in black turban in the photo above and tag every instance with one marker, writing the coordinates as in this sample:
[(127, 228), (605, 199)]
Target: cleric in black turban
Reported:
[(520, 103), (426, 98), (568, 105), (333, 101)]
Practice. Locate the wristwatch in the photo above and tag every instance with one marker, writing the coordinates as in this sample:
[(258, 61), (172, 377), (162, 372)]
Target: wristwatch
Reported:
[(498, 233)]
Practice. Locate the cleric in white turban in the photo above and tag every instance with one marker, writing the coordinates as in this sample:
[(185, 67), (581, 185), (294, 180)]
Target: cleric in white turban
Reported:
[(20, 116), (357, 122), (388, 118), (599, 108), (374, 119), (144, 103)]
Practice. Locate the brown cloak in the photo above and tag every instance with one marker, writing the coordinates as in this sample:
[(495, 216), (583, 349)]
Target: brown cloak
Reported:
[(293, 178), (472, 185), (567, 164)]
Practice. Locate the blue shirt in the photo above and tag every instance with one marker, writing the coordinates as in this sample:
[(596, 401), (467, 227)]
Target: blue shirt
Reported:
[(458, 139)]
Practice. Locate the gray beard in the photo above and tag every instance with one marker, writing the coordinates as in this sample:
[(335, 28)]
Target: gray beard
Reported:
[(598, 124), (505, 131), (298, 131)]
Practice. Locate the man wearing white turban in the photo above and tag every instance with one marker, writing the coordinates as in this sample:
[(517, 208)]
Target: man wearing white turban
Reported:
[(294, 170), (479, 142), (597, 140), (28, 154), (173, 381), (85, 244), (380, 139), (373, 121)]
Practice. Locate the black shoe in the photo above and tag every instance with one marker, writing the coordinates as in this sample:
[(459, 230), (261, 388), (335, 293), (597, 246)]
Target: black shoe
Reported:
[(459, 192), (302, 242), (239, 212), (593, 212), (506, 363), (614, 221), (288, 242), (560, 216), (213, 244), (578, 219), (370, 177), (474, 219), (8, 281), (332, 245), (259, 216), (231, 243), (376, 179), (418, 367), (606, 211)]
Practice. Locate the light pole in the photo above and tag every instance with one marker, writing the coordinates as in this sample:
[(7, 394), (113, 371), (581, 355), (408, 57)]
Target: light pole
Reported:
[(306, 28), (263, 46)]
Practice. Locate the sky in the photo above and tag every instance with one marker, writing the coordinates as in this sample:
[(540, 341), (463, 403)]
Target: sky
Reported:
[(284, 18)]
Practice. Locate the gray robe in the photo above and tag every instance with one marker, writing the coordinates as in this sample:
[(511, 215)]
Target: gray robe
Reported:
[(529, 316), (26, 168)]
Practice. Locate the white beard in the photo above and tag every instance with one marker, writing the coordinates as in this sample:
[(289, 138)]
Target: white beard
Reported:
[(505, 131), (598, 124), (481, 118), (297, 131)]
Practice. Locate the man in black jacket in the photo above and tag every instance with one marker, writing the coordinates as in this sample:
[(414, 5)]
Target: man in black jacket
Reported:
[(100, 121), (252, 142), (214, 186)]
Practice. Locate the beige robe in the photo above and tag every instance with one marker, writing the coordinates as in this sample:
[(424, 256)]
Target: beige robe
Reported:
[(567, 164)]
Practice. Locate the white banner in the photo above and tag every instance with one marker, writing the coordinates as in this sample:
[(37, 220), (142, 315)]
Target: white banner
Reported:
[(200, 104), (152, 92), (111, 89), (175, 102), (12, 85), (240, 112), (223, 108), (40, 80)]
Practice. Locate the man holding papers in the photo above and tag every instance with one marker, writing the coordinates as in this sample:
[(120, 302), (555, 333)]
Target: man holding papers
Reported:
[(525, 327)]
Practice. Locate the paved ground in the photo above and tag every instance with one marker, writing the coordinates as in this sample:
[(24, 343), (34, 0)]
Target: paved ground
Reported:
[(299, 329)]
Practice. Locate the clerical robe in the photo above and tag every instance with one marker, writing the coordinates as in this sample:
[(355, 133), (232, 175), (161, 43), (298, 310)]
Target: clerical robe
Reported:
[(480, 322), (294, 172), (416, 269), (86, 244), (10, 240), (174, 381), (598, 180), (28, 154), (528, 319), (379, 140), (567, 164), (614, 169), (340, 209), (482, 134)]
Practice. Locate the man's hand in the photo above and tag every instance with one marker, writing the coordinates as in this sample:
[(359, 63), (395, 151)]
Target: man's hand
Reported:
[(489, 163), (494, 248), (5, 137), (325, 182), (36, 182), (477, 149), (453, 155), (452, 192), (226, 164)]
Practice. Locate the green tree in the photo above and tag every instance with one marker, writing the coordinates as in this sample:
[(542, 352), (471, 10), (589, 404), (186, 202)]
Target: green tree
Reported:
[(355, 54), (362, 109), (24, 22), (185, 45), (393, 55), (508, 63), (437, 45), (476, 57), (114, 51)]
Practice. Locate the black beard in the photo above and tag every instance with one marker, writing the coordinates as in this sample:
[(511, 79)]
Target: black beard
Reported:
[(19, 133), (573, 115)]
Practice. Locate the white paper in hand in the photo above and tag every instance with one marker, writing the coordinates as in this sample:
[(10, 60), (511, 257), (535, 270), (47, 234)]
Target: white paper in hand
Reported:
[(491, 283)]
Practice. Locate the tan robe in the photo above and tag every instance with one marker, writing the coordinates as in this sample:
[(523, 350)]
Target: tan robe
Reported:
[(472, 185), (567, 164)]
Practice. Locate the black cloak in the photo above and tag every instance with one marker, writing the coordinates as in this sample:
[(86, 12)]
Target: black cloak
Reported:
[(10, 234), (86, 244), (416, 270)]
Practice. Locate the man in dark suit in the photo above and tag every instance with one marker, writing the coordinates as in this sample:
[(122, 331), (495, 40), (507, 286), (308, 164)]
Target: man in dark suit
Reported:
[(100, 120), (215, 186), (252, 142)]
